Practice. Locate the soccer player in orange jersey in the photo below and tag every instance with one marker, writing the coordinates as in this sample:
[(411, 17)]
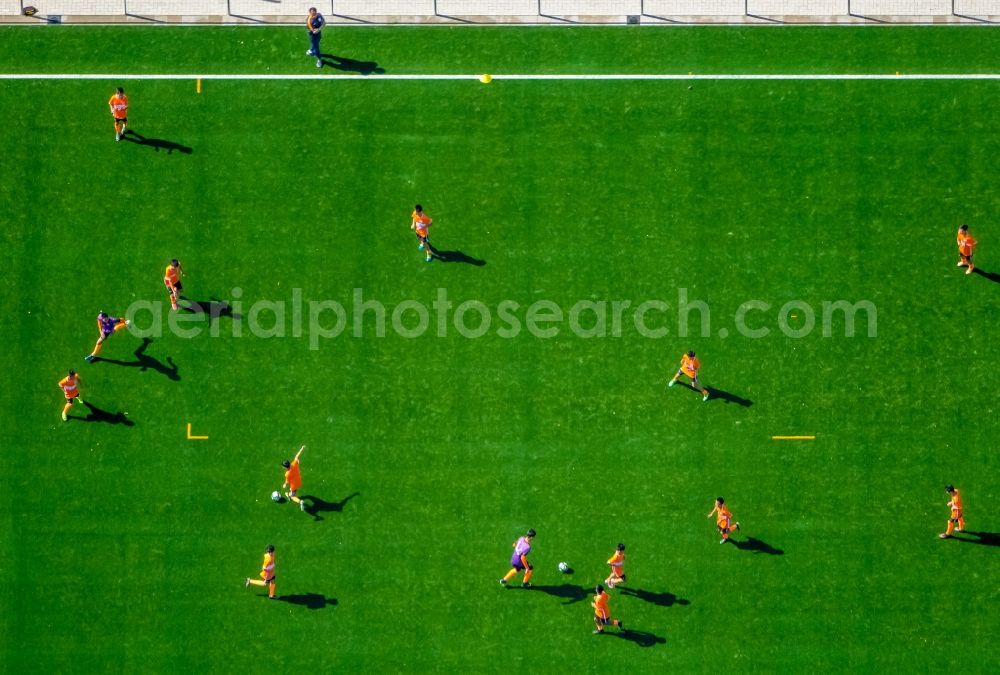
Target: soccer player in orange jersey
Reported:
[(689, 366), (293, 479), (966, 246), (519, 560), (71, 389), (617, 562), (957, 515), (723, 519), (119, 112), (172, 280), (107, 326), (602, 613), (267, 577), (420, 225)]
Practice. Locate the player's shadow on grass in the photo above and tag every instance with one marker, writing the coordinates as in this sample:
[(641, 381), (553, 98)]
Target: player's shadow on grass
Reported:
[(316, 506), (458, 257), (662, 599), (155, 143), (714, 394), (145, 362), (641, 638), (454, 256), (213, 308), (106, 416), (990, 276), (718, 394), (309, 600), (569, 592), (984, 538), (350, 65), (756, 546)]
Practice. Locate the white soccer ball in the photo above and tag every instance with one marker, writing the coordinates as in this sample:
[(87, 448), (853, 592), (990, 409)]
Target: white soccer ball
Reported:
[(276, 496), (563, 567)]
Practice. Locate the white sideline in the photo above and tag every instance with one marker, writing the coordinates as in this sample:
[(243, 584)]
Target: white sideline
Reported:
[(501, 76)]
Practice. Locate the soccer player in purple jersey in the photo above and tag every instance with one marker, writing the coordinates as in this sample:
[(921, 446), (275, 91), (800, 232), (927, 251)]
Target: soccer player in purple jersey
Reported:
[(106, 325), (519, 560)]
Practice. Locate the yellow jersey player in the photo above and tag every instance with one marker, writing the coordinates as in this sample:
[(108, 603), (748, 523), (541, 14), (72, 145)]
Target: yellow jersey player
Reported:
[(966, 247), (172, 280), (293, 479), (689, 366), (70, 386), (267, 577), (723, 519), (957, 513), (617, 562), (602, 613), (119, 112), (420, 224)]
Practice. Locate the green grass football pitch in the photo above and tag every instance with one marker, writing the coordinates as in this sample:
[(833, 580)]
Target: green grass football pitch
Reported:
[(126, 544)]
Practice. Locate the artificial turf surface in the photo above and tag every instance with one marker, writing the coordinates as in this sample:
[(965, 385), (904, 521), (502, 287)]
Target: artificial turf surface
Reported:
[(127, 544)]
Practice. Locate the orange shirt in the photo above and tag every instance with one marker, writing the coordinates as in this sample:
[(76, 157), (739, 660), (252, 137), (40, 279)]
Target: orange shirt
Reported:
[(69, 385), (601, 605), (690, 365), (119, 106), (966, 243), (421, 221), (956, 501), (293, 477), (172, 275), (267, 569), (617, 562), (722, 515)]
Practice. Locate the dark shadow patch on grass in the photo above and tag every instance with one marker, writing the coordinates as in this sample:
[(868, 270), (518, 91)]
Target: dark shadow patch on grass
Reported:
[(106, 416), (156, 143), (719, 394), (984, 538), (457, 257), (989, 276), (316, 506), (309, 600), (663, 599), (639, 637), (569, 592), (350, 65), (145, 362), (755, 545), (213, 307)]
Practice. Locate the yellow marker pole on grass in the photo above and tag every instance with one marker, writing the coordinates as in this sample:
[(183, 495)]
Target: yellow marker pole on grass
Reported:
[(197, 85), (793, 438)]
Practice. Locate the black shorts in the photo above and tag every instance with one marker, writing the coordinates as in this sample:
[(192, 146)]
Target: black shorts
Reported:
[(122, 120), (179, 286), (604, 621)]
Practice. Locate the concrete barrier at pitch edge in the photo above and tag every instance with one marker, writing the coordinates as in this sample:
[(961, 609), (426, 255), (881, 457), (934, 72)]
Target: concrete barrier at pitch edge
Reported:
[(513, 12)]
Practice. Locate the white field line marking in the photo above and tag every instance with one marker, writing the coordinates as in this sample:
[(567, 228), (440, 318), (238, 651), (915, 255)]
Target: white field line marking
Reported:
[(567, 76)]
